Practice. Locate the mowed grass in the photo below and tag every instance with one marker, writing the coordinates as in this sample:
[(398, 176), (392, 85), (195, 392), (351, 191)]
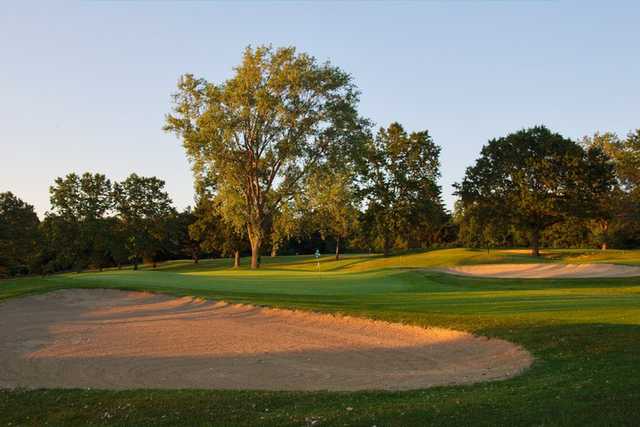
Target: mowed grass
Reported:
[(584, 334)]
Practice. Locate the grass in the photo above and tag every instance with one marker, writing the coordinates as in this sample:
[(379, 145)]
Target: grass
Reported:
[(584, 333)]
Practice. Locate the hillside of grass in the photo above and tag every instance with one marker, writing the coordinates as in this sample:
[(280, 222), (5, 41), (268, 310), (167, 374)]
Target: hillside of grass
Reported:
[(422, 259), (584, 334)]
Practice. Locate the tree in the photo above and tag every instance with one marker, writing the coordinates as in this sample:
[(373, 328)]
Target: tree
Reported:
[(59, 248), (533, 179), (480, 228), (18, 235), (399, 183), (181, 240), (86, 197), (628, 164), (333, 203), (213, 233), (619, 208), (258, 134), (628, 170), (118, 241), (82, 203), (144, 208), (285, 223)]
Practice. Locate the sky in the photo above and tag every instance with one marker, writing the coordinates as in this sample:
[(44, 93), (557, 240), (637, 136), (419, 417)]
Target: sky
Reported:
[(85, 86)]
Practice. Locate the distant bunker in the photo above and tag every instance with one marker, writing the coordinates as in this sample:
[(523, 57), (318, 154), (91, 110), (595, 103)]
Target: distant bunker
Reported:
[(544, 271)]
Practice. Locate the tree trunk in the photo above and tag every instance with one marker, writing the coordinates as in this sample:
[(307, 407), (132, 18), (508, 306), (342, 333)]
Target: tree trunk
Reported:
[(255, 242), (135, 265), (535, 243), (255, 252), (153, 263), (337, 249), (387, 246), (254, 232), (274, 251), (236, 259), (605, 235)]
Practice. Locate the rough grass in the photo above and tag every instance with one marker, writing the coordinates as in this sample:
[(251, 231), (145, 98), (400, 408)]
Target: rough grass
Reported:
[(584, 333)]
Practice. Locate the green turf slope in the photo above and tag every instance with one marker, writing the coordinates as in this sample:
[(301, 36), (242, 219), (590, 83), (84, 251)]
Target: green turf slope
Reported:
[(584, 333)]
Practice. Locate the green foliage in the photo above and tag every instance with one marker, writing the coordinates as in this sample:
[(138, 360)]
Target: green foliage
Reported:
[(257, 135), (213, 232), (182, 242), (619, 221), (627, 158), (333, 204), (143, 207), (80, 198), (79, 207), (533, 179), (18, 235), (480, 228), (399, 184), (286, 223)]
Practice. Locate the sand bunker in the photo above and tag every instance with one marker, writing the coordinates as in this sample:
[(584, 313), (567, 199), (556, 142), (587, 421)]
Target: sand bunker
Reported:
[(115, 339), (540, 271)]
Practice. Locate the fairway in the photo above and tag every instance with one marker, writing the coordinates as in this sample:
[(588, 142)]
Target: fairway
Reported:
[(583, 333)]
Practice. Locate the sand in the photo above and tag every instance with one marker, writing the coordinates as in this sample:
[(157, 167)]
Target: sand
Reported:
[(121, 340), (540, 271)]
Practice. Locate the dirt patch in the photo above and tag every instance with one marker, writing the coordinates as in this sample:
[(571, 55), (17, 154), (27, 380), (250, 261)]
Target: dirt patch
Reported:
[(119, 340), (540, 271)]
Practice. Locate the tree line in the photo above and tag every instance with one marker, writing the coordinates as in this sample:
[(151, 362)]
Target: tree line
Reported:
[(93, 223), (535, 187), (284, 163)]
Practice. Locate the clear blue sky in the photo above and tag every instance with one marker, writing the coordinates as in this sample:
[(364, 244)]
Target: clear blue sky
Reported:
[(85, 86)]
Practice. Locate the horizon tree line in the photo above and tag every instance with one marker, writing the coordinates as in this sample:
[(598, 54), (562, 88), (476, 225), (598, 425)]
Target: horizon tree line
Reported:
[(282, 162), (588, 195)]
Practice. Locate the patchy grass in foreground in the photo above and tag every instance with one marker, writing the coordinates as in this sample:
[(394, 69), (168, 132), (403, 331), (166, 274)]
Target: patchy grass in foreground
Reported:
[(584, 333)]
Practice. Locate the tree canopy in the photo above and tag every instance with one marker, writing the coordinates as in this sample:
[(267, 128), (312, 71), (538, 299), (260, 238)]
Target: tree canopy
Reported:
[(399, 184), (143, 206), (282, 158), (619, 209), (79, 205), (333, 205), (18, 234), (258, 134), (533, 179)]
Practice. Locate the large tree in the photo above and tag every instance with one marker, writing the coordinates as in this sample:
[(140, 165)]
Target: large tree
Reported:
[(18, 235), (333, 204), (258, 134), (619, 209), (144, 208), (400, 173), (81, 203), (285, 224), (182, 242), (533, 179), (628, 164), (480, 228), (213, 233)]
